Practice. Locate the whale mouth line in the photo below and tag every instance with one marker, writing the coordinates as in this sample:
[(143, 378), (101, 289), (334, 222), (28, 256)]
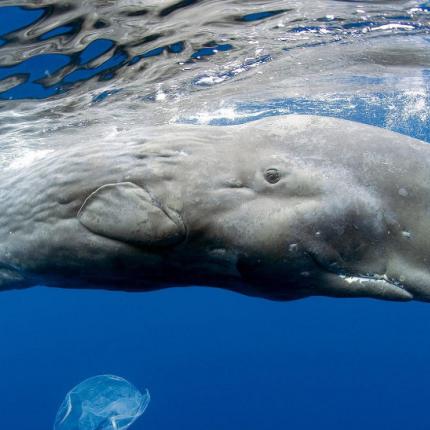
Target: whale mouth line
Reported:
[(372, 284), (376, 285), (370, 277)]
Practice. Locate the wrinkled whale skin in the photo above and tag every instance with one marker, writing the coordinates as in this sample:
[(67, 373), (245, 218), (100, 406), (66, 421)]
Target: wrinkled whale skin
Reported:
[(281, 208)]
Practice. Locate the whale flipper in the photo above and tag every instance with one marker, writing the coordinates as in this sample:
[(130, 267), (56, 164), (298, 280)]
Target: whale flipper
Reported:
[(126, 212)]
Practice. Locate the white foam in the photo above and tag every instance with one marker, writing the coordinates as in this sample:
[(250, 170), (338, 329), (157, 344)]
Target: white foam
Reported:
[(393, 26)]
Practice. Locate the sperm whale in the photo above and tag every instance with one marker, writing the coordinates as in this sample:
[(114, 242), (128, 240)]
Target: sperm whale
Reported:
[(281, 208)]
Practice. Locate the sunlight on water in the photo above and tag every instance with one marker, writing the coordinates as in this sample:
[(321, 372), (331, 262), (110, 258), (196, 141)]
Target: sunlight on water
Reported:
[(71, 64)]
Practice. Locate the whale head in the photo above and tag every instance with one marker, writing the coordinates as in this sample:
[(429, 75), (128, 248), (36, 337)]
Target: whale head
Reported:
[(294, 228), (282, 208)]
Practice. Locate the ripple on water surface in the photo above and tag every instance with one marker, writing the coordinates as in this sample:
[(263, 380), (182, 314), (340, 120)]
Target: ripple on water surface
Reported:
[(210, 62)]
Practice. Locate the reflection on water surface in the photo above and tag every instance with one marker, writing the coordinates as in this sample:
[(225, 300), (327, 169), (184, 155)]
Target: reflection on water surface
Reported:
[(68, 64)]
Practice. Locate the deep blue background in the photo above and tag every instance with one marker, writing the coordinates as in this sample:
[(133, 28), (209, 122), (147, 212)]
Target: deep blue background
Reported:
[(217, 360), (213, 359)]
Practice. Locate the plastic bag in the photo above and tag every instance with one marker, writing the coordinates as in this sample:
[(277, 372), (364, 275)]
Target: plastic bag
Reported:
[(103, 402)]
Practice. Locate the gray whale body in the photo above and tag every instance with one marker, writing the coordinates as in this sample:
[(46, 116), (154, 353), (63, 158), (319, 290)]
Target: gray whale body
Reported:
[(281, 208)]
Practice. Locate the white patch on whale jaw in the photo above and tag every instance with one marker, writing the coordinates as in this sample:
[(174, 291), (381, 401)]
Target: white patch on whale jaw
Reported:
[(368, 278), (375, 285), (342, 283)]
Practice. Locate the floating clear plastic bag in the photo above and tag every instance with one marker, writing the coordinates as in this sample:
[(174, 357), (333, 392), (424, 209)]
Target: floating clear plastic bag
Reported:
[(103, 402)]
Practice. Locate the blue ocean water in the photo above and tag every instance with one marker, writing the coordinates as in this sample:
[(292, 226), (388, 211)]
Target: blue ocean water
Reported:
[(214, 359), (210, 358)]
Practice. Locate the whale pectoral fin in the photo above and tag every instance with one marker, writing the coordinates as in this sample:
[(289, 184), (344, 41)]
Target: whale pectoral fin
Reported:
[(126, 212)]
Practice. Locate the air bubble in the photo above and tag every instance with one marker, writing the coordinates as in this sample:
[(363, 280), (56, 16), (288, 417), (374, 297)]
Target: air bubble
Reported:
[(293, 247), (403, 192)]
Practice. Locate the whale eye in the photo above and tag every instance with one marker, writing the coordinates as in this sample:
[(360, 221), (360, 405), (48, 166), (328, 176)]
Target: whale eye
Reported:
[(272, 175)]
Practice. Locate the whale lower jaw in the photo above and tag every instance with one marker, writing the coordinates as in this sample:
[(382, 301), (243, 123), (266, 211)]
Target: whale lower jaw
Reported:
[(369, 285)]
